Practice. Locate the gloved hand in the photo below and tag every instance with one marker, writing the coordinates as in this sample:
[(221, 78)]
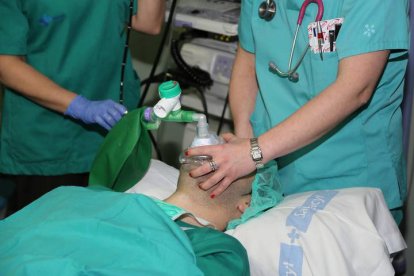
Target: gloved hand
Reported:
[(106, 113)]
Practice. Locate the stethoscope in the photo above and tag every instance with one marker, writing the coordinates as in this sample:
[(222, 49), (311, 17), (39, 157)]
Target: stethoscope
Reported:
[(267, 11)]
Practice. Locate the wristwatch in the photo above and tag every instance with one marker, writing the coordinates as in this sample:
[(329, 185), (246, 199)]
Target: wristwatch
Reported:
[(256, 153)]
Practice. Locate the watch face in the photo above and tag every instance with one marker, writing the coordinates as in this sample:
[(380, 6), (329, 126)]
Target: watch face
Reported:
[(256, 155)]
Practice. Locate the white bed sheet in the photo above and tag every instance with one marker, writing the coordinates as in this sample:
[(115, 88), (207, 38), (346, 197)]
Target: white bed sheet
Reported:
[(332, 232), (341, 232)]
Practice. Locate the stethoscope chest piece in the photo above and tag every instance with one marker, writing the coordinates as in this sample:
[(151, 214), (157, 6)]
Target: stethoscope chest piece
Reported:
[(267, 10)]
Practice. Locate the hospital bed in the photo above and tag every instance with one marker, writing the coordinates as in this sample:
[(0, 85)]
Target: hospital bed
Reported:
[(328, 232), (333, 232)]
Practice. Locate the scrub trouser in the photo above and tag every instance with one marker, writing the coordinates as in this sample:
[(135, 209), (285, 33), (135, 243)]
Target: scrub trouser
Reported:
[(28, 188)]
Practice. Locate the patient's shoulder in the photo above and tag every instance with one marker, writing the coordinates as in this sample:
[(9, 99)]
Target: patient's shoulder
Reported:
[(218, 253)]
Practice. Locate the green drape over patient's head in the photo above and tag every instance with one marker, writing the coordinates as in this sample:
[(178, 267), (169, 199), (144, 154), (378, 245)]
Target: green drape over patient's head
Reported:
[(266, 193), (124, 156)]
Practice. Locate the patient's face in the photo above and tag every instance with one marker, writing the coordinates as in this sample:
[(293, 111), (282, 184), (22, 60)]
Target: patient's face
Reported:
[(225, 207), (239, 192)]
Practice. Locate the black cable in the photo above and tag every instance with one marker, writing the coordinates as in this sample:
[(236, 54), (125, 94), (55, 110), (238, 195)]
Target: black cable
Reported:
[(159, 53), (194, 74), (190, 76), (221, 122), (203, 101), (154, 142), (151, 76), (125, 55), (161, 77)]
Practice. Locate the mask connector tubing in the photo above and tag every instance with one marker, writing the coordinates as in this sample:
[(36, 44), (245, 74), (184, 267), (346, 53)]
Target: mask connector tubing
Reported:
[(179, 116), (202, 125)]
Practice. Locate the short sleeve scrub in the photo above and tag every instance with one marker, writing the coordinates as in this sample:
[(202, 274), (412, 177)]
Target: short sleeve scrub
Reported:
[(79, 45), (365, 150)]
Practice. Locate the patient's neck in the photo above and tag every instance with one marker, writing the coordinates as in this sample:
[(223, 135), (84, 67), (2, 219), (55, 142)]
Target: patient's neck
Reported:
[(196, 208)]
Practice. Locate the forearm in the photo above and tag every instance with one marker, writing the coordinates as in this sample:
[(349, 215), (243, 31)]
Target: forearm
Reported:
[(356, 81), (24, 79), (242, 92), (150, 16)]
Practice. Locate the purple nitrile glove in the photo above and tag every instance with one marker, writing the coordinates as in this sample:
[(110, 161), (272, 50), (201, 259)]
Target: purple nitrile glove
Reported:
[(106, 113)]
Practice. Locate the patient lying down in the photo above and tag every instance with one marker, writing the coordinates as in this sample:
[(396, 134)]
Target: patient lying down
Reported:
[(75, 230), (217, 211)]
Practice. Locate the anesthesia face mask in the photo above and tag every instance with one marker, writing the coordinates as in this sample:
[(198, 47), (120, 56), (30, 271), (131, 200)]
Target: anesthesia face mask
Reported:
[(203, 137)]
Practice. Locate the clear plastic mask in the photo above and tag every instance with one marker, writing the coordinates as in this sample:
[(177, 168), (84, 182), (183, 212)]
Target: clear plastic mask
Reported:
[(196, 160)]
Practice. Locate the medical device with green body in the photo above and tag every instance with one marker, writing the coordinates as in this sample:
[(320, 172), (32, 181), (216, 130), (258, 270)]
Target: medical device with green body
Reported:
[(168, 109)]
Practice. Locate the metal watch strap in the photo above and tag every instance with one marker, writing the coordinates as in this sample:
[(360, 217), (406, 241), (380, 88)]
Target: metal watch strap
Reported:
[(256, 153)]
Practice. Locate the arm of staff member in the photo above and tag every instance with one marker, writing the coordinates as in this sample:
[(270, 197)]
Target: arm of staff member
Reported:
[(20, 76), (356, 81)]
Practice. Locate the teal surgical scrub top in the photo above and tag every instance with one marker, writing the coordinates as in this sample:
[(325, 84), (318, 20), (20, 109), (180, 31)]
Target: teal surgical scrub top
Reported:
[(79, 45), (365, 150)]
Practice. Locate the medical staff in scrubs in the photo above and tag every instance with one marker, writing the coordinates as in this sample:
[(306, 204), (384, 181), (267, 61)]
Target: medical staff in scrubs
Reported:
[(337, 126), (61, 64)]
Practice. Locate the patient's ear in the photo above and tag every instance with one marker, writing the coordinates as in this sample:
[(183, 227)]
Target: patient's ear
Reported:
[(243, 203)]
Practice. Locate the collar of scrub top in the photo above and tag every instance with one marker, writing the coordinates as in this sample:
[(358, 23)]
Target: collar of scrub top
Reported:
[(291, 73), (175, 213)]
